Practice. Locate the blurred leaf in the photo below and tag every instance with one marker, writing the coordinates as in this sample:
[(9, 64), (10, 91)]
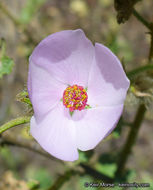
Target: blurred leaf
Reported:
[(83, 180), (33, 185), (6, 154), (107, 158), (30, 9), (42, 176), (107, 169), (6, 65), (131, 174), (82, 157)]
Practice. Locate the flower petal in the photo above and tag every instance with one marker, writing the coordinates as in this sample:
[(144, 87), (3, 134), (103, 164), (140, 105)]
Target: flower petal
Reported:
[(44, 91), (108, 83), (56, 134), (94, 125), (67, 55)]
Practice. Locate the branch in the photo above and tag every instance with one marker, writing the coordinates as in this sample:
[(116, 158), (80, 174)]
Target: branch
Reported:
[(150, 27), (11, 140), (130, 140), (15, 122), (141, 19)]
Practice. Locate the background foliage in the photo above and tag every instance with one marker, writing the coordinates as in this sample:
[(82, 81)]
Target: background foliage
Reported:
[(126, 27)]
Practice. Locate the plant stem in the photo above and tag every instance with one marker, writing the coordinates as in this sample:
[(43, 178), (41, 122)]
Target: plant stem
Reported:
[(134, 72), (11, 140), (130, 140), (14, 122), (141, 19)]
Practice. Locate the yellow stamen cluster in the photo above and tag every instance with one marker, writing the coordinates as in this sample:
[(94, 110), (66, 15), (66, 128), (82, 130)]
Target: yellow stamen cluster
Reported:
[(75, 97)]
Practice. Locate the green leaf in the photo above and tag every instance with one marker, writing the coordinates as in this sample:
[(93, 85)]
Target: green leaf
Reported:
[(42, 176), (84, 179), (6, 154), (107, 169), (82, 157), (33, 185), (6, 65)]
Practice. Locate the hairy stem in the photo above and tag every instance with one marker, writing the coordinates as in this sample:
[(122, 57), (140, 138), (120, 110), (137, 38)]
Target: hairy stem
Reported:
[(130, 140), (134, 72), (14, 122)]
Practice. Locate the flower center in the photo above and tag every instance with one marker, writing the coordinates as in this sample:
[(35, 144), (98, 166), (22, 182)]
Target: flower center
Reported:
[(75, 98)]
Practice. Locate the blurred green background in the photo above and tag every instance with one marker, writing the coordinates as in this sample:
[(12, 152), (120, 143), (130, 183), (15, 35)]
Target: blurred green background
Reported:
[(23, 24)]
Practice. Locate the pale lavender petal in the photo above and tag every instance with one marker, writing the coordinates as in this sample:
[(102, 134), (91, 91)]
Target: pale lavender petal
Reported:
[(108, 83), (92, 125), (67, 55), (56, 134), (44, 91)]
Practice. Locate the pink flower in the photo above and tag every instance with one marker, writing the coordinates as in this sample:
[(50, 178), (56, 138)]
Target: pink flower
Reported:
[(77, 91)]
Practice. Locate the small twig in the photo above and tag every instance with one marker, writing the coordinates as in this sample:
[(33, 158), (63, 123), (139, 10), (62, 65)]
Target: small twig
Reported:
[(149, 25), (87, 170), (141, 19), (14, 122), (130, 140)]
